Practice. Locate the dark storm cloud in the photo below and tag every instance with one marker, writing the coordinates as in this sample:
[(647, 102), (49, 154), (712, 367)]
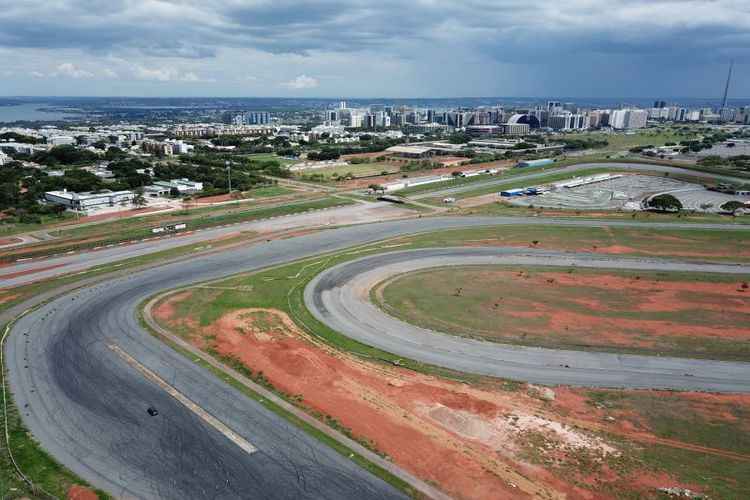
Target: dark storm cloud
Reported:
[(508, 30)]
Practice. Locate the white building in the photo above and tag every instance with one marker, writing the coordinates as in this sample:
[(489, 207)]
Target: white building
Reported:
[(89, 202), (628, 118), (61, 140), (568, 121), (4, 158), (165, 188)]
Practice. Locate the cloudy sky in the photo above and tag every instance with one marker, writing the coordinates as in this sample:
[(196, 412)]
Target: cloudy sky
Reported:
[(366, 48)]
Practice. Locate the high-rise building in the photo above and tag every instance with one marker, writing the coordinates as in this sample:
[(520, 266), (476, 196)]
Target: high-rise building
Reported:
[(727, 115), (568, 121), (660, 104), (628, 118)]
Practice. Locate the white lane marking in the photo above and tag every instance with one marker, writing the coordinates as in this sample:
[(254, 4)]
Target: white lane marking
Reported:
[(245, 445)]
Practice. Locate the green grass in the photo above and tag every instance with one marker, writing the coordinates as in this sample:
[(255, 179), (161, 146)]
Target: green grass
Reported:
[(719, 423), (354, 170), (621, 141), (282, 288), (268, 157), (140, 228), (267, 192), (7, 229), (479, 302), (501, 186)]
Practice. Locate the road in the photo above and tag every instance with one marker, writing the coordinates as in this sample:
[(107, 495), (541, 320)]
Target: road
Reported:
[(572, 169), (43, 268), (339, 297), (87, 406), (50, 267)]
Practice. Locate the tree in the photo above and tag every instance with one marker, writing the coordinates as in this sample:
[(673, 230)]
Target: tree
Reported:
[(732, 206), (139, 200), (459, 138), (376, 188), (665, 203)]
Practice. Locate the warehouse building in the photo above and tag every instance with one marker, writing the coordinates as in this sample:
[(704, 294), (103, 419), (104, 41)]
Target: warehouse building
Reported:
[(89, 202)]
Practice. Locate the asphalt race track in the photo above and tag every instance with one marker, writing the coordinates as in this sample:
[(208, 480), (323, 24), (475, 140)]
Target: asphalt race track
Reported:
[(339, 297), (87, 406)]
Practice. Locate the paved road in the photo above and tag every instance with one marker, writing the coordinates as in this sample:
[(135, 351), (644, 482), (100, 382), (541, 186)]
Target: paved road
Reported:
[(619, 166), (355, 214), (50, 267), (339, 297), (86, 406)]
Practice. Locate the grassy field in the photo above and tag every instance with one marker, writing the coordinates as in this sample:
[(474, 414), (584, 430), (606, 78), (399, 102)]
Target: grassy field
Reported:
[(651, 313), (282, 288), (96, 235), (267, 192), (622, 141), (719, 422), (353, 171), (269, 157)]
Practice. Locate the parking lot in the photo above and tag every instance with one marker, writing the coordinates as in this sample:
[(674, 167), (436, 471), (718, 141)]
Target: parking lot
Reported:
[(627, 193)]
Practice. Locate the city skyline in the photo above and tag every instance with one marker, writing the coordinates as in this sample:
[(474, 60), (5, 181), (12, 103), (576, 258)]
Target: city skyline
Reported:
[(352, 49)]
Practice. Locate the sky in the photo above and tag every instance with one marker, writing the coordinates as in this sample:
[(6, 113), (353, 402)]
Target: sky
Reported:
[(365, 48)]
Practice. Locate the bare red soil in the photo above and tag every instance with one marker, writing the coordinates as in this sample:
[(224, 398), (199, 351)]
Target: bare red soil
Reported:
[(78, 492), (382, 179), (471, 440)]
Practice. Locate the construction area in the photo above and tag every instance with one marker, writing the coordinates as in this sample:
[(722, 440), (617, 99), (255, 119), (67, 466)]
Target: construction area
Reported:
[(619, 192)]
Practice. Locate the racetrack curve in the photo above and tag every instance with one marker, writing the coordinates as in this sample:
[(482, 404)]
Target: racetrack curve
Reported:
[(86, 406), (340, 298)]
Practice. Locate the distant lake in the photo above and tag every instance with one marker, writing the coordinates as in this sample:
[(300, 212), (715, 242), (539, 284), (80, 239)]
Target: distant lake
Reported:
[(30, 112)]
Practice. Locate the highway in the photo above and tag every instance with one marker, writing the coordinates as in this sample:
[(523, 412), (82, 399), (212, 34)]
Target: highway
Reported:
[(573, 169), (86, 404), (339, 297)]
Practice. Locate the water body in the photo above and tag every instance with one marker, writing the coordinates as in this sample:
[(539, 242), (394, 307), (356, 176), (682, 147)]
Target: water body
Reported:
[(29, 112)]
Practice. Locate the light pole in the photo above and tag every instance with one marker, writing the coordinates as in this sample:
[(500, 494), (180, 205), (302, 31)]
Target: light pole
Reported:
[(229, 174)]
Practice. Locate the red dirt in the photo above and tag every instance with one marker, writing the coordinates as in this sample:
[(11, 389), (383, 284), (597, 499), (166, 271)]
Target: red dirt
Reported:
[(9, 241), (687, 252), (8, 298), (78, 492), (721, 306), (205, 200), (119, 215), (458, 435)]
